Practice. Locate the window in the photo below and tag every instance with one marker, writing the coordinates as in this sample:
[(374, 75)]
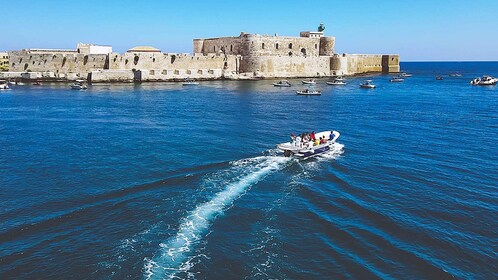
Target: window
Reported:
[(276, 46), (316, 46), (263, 46), (214, 49), (290, 46), (231, 48)]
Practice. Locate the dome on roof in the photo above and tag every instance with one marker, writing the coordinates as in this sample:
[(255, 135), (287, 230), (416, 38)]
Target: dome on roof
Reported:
[(143, 49)]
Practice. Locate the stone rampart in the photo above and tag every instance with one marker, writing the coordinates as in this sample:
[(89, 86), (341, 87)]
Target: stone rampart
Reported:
[(57, 62)]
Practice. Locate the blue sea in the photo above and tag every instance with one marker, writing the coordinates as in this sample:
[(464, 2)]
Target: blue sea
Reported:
[(160, 181)]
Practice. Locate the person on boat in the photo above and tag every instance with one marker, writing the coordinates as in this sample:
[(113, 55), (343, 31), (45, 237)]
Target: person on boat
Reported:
[(323, 140), (312, 136), (331, 137), (292, 138), (298, 141), (317, 142)]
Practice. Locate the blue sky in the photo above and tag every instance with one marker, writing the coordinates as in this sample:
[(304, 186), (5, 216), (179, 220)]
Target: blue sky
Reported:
[(418, 30)]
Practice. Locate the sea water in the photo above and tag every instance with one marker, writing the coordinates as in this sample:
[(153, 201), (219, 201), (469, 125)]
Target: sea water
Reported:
[(160, 181)]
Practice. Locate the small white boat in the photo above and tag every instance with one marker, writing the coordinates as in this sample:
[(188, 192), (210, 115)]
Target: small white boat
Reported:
[(282, 83), (439, 78), (4, 85), (396, 79), (308, 92), (305, 150), (455, 75), (405, 75), (367, 84), (309, 82), (190, 82), (336, 83), (339, 78), (79, 85), (484, 81)]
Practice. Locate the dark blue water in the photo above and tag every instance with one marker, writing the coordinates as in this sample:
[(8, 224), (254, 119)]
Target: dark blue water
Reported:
[(160, 181)]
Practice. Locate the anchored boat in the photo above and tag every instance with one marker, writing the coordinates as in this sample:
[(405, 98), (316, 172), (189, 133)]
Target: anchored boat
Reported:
[(282, 83), (484, 81), (79, 85), (190, 82), (305, 150), (4, 85), (397, 79), (309, 82), (367, 84)]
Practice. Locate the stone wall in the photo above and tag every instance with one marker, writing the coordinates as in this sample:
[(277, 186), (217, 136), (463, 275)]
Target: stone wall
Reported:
[(57, 62), (351, 64), (287, 66), (165, 61), (264, 45)]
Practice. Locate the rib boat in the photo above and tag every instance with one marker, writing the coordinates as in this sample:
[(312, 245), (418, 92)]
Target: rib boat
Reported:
[(308, 150)]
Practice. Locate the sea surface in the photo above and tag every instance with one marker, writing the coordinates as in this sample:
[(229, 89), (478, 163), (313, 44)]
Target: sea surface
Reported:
[(161, 181)]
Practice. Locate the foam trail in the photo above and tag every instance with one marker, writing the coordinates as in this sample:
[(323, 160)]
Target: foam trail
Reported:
[(175, 252)]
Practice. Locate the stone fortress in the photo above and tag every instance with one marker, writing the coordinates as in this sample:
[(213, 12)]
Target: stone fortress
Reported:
[(247, 56)]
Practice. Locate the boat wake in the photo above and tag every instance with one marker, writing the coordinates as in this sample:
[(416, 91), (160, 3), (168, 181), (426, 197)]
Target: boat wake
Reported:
[(174, 253)]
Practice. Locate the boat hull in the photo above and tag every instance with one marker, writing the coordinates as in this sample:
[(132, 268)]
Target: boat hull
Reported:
[(308, 150)]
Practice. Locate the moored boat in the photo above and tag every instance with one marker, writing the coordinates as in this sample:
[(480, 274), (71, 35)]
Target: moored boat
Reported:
[(309, 149), (484, 81), (367, 84), (308, 92), (396, 79), (309, 82), (439, 78), (190, 82), (282, 83), (79, 85), (336, 83), (4, 85), (455, 75), (405, 75)]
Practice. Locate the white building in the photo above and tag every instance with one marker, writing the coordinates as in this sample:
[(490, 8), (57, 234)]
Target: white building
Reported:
[(93, 49)]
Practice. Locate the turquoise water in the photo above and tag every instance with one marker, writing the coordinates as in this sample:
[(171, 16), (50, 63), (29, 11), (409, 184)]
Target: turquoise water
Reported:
[(162, 181)]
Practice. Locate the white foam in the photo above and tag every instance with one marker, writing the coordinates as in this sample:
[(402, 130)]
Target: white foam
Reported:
[(174, 254)]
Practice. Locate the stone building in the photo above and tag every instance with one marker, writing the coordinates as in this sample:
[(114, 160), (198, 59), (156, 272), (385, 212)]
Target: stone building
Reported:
[(4, 61), (247, 56)]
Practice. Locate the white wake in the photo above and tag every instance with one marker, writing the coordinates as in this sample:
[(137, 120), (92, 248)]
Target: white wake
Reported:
[(173, 255)]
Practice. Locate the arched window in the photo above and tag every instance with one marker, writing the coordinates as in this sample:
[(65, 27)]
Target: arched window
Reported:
[(276, 46), (290, 46), (231, 48), (263, 46), (303, 51)]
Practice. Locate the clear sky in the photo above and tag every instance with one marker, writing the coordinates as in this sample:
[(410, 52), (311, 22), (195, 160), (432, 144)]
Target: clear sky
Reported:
[(419, 30)]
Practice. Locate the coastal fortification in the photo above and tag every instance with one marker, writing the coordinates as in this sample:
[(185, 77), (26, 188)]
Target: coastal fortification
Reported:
[(247, 56)]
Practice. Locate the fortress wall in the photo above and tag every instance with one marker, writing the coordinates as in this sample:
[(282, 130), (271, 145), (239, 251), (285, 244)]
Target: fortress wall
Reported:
[(351, 64), (289, 66), (254, 44), (164, 61), (390, 63), (57, 62), (285, 46), (227, 45)]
